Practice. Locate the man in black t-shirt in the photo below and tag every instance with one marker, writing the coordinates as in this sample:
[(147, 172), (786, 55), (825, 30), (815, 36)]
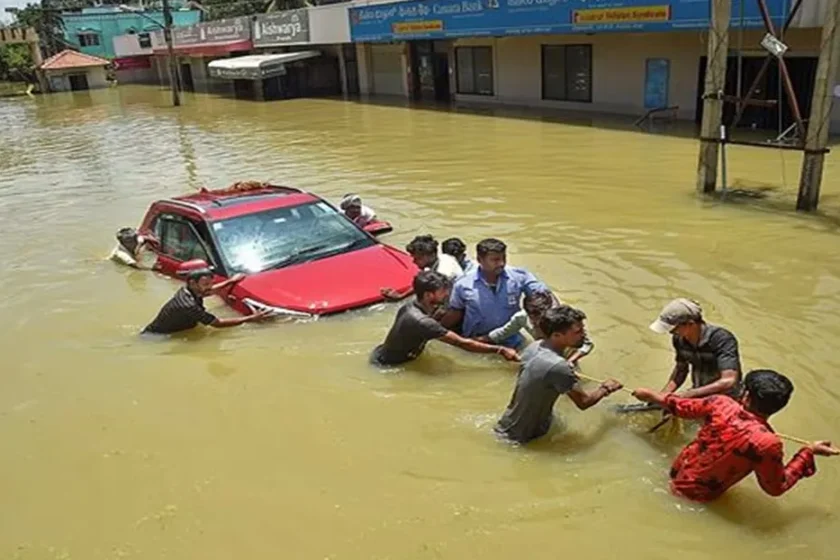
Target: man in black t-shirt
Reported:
[(709, 352), (186, 308), (414, 326)]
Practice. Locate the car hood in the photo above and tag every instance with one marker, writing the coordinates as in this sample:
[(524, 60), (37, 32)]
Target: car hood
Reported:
[(333, 284)]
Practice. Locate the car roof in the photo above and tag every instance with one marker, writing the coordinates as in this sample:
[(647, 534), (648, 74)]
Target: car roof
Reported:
[(242, 199)]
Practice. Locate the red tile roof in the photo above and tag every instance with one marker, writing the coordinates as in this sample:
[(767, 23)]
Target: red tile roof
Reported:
[(72, 59)]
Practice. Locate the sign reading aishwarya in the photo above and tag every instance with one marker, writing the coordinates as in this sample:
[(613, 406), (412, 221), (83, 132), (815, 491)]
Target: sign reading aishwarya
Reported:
[(213, 32), (291, 26), (438, 19)]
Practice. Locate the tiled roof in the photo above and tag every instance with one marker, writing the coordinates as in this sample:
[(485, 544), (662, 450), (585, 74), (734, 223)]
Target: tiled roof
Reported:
[(72, 59)]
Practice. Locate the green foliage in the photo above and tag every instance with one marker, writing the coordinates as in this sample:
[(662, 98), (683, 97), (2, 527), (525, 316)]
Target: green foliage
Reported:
[(45, 17), (221, 9), (16, 63)]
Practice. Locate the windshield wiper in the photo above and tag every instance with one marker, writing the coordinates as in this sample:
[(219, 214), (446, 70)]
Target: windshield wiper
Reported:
[(301, 255), (297, 257), (353, 244)]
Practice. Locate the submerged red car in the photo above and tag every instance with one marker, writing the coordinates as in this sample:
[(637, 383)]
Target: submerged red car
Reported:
[(302, 257)]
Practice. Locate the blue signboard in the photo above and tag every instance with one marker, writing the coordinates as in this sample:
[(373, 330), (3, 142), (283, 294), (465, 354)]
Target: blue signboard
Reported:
[(438, 19)]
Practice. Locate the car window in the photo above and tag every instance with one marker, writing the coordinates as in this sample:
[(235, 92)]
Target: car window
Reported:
[(179, 239)]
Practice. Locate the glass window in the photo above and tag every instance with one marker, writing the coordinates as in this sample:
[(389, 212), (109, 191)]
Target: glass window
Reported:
[(466, 75), (567, 72), (179, 240), (144, 40), (285, 236), (88, 40), (474, 70)]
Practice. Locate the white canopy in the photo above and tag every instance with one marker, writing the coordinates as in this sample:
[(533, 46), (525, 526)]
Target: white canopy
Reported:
[(256, 66)]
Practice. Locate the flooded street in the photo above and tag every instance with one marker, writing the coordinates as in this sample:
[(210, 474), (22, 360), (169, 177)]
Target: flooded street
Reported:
[(280, 441)]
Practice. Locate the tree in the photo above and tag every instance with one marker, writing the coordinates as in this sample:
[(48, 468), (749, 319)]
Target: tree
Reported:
[(46, 19), (16, 63), (221, 9)]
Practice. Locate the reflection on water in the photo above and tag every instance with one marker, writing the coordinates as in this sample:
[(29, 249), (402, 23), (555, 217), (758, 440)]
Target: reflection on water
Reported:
[(280, 437)]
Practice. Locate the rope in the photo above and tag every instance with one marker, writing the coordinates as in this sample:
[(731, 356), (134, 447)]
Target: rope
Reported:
[(793, 439)]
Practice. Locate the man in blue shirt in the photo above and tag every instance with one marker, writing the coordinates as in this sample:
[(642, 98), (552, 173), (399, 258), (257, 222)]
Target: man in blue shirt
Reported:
[(488, 295)]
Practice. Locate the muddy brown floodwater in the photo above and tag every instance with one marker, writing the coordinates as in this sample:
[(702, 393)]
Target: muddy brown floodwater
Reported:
[(279, 441)]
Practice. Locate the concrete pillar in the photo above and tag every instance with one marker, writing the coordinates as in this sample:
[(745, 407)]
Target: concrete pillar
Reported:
[(342, 70)]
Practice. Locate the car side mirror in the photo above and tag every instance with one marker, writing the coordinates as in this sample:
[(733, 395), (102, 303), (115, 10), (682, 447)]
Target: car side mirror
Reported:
[(195, 265), (378, 228)]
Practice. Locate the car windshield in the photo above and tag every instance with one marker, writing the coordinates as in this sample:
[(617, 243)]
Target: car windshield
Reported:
[(284, 236)]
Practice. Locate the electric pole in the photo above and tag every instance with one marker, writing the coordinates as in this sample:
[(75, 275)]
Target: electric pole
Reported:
[(715, 83), (173, 70), (816, 139)]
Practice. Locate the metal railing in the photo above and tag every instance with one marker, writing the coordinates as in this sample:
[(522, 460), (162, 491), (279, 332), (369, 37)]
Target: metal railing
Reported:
[(669, 114)]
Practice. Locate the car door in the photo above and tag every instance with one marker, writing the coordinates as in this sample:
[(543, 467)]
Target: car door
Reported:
[(179, 243)]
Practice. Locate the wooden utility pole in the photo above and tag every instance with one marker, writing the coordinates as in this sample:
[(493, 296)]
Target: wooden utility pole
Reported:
[(713, 95), (816, 139), (173, 70)]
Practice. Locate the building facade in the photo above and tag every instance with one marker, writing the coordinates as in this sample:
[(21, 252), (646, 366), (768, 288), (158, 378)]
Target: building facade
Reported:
[(610, 56), (70, 70), (624, 57), (92, 30)]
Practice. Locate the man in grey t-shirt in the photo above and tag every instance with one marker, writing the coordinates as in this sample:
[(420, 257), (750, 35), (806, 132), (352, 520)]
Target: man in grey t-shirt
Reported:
[(414, 326), (545, 375)]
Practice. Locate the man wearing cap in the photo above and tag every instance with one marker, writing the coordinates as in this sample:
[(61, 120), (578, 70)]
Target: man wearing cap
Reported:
[(186, 308), (710, 352)]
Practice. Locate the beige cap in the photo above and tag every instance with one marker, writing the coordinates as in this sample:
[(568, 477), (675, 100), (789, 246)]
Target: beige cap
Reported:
[(677, 312)]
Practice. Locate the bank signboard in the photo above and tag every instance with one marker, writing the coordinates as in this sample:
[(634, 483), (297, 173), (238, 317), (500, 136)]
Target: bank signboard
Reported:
[(291, 26), (438, 19)]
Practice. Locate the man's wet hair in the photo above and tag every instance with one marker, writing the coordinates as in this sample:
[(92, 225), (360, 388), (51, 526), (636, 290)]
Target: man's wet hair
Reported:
[(127, 237), (769, 390), (538, 303), (454, 247), (422, 245), (491, 245), (560, 319), (196, 275), (429, 281)]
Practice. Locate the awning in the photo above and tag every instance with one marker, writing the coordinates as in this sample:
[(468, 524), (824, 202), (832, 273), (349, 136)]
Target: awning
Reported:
[(256, 66)]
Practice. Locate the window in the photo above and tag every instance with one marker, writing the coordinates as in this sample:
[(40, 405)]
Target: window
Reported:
[(88, 40), (567, 72), (144, 40), (475, 70), (179, 239)]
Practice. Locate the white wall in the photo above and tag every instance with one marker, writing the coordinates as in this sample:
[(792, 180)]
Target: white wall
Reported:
[(811, 13), (618, 68), (383, 69), (329, 25), (129, 45), (60, 80)]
